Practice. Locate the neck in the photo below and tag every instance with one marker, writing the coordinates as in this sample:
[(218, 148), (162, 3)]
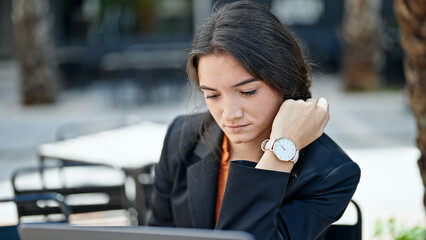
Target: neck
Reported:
[(250, 151)]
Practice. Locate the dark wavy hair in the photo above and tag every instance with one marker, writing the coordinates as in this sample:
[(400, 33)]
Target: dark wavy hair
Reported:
[(257, 39)]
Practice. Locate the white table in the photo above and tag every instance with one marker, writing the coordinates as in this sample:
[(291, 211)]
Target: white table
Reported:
[(129, 148)]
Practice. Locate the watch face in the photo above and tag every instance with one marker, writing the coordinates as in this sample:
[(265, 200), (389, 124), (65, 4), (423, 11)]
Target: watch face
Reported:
[(284, 149)]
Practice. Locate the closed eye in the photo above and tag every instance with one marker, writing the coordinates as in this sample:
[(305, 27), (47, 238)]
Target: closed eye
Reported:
[(213, 96), (249, 93)]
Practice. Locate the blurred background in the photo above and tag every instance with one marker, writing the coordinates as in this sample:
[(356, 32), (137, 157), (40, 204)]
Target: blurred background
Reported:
[(66, 61)]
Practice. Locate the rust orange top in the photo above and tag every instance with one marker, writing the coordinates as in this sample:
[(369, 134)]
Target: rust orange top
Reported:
[(223, 174)]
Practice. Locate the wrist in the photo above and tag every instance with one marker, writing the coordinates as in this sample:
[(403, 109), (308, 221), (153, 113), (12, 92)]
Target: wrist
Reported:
[(270, 162)]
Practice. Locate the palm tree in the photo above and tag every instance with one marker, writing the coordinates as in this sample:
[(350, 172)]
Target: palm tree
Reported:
[(411, 15), (361, 37), (35, 52)]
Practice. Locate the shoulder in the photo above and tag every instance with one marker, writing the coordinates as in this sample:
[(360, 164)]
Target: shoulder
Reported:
[(324, 159), (191, 119), (333, 151), (187, 126), (330, 154), (336, 162), (184, 133)]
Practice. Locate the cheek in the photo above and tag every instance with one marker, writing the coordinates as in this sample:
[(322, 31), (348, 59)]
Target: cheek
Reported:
[(266, 106), (214, 109), (264, 110)]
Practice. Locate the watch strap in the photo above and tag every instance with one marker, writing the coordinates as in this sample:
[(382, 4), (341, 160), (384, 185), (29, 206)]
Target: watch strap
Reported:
[(268, 144), (296, 156)]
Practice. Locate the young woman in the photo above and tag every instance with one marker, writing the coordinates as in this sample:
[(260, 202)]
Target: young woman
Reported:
[(258, 160)]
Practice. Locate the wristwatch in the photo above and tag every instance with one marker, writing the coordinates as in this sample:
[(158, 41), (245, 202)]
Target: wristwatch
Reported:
[(283, 148)]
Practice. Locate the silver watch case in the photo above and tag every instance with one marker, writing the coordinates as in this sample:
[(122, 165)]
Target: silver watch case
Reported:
[(283, 148)]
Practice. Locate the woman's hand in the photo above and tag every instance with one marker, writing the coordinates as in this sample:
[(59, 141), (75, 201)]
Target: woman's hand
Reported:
[(301, 121)]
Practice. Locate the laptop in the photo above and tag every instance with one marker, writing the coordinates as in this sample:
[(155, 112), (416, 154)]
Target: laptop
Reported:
[(57, 231)]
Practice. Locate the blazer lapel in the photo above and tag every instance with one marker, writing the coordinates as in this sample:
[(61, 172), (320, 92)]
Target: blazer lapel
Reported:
[(202, 179)]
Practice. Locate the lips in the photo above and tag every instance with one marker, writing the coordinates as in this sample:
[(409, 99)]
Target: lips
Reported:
[(237, 128)]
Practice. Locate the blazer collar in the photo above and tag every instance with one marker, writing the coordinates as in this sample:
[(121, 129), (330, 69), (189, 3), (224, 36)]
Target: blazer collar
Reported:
[(203, 176)]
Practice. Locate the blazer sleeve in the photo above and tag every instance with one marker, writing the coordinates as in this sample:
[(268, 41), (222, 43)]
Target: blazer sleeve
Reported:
[(160, 200), (253, 202)]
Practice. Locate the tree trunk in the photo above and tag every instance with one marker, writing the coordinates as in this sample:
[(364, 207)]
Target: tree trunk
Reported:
[(33, 36), (411, 15), (361, 37)]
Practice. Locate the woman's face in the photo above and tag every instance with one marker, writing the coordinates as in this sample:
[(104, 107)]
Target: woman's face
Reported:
[(243, 107)]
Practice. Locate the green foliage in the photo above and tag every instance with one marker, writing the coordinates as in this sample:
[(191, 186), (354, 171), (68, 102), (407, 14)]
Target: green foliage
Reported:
[(396, 231)]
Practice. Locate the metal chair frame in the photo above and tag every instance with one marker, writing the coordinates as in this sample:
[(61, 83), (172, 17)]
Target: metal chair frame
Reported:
[(347, 232), (116, 194)]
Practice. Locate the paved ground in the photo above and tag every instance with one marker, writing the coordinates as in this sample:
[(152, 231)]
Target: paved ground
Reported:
[(376, 129)]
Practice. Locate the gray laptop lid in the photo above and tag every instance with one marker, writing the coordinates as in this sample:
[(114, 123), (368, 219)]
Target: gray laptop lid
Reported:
[(39, 231)]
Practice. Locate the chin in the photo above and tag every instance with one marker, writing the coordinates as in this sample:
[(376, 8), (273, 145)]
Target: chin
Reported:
[(239, 138)]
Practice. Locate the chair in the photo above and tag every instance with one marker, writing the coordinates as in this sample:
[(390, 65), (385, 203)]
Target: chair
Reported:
[(114, 194), (76, 129), (146, 182), (347, 232), (87, 189), (11, 232), (62, 207)]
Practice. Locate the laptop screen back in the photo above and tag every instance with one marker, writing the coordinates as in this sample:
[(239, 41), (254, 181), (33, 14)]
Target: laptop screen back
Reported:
[(69, 232)]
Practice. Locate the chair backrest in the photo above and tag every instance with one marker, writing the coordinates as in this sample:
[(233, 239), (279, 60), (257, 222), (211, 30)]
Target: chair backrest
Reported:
[(10, 232), (81, 197), (347, 232), (146, 181)]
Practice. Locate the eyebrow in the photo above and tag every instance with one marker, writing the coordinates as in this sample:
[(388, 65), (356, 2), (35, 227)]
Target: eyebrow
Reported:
[(247, 81)]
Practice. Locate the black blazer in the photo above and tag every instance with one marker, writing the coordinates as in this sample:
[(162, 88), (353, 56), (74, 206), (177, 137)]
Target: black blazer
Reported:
[(268, 204)]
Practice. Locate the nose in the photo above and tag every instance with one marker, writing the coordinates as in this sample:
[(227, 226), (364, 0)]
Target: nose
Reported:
[(232, 109)]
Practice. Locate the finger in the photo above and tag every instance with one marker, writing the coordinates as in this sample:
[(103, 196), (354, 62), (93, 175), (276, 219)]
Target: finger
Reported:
[(311, 100), (325, 122), (287, 102), (322, 102)]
